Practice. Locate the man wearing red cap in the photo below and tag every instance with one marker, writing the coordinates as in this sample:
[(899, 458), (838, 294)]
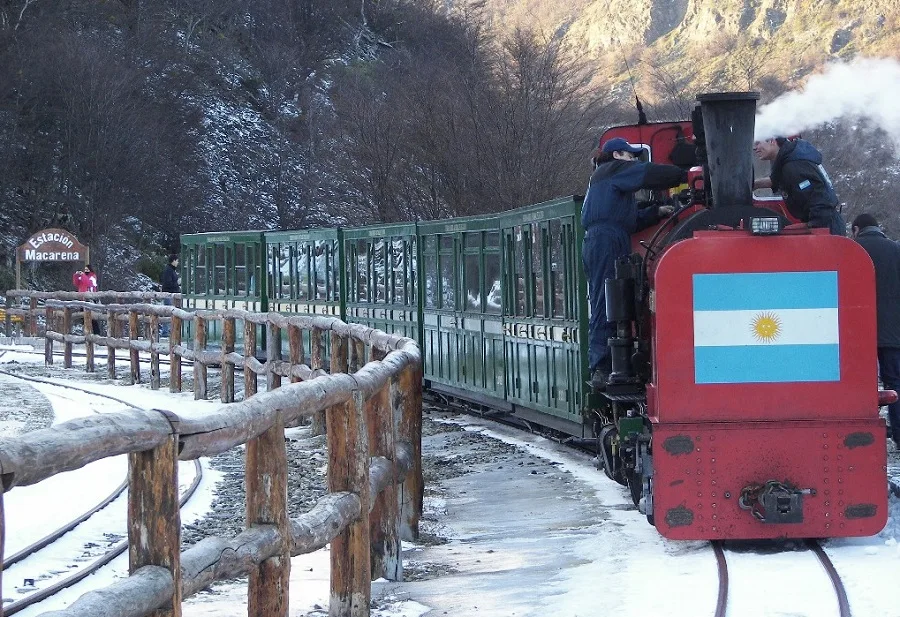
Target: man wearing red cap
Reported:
[(609, 216)]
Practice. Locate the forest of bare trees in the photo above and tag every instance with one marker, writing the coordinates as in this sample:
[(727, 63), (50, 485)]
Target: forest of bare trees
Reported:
[(131, 122)]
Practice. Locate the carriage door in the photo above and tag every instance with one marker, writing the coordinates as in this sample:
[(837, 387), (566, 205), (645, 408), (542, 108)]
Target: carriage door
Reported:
[(541, 269)]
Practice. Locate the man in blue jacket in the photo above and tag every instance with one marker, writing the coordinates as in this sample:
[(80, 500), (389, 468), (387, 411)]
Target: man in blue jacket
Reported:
[(885, 254), (797, 172), (609, 216)]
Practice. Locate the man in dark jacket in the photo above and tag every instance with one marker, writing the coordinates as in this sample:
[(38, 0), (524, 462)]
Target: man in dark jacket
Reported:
[(797, 173), (609, 216), (885, 254), (169, 279), (169, 284)]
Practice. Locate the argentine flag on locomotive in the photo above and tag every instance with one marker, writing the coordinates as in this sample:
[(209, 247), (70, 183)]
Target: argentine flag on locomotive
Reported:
[(768, 327)]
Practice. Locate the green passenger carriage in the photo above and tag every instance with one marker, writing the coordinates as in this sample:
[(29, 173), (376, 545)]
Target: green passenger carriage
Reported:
[(497, 302)]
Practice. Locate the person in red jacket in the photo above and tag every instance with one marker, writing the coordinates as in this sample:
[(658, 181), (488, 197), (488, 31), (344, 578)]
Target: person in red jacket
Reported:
[(85, 280)]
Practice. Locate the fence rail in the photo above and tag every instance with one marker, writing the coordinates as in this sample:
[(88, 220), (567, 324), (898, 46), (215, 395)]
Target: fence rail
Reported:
[(370, 401)]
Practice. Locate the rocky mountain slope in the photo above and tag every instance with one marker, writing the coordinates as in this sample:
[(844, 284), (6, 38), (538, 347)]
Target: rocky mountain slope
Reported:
[(678, 46)]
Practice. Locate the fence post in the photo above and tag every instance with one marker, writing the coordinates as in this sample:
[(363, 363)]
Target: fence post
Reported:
[(317, 353), (406, 401), (8, 316), (112, 332), (2, 547), (250, 384), (32, 315), (199, 367), (133, 335), (154, 355), (385, 516), (273, 354), (48, 342), (88, 344), (154, 516), (266, 482), (348, 470), (174, 358), (227, 391), (67, 330)]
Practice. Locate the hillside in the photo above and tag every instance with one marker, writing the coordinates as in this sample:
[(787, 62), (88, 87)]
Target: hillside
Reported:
[(678, 47)]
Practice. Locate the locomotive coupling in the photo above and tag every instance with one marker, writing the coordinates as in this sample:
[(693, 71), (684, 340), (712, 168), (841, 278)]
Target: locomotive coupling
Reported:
[(774, 502)]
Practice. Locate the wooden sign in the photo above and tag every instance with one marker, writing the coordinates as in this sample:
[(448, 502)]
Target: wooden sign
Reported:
[(53, 245)]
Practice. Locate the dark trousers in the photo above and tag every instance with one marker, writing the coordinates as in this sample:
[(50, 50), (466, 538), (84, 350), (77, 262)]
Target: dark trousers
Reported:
[(889, 367), (602, 247), (826, 216), (164, 328)]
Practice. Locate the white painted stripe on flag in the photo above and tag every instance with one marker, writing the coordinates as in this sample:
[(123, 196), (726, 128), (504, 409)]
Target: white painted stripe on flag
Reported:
[(795, 327)]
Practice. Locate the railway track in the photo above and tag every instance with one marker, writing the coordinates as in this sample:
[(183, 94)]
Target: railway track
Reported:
[(45, 543), (789, 590), (738, 551)]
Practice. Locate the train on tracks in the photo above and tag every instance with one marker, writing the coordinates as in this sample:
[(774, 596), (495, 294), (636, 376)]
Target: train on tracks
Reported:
[(743, 401)]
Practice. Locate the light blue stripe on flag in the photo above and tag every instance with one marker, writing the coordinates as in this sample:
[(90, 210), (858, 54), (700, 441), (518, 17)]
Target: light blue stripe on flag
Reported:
[(766, 364), (765, 290)]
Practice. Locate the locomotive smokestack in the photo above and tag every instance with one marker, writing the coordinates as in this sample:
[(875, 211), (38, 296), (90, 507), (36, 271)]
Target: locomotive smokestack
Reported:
[(728, 123)]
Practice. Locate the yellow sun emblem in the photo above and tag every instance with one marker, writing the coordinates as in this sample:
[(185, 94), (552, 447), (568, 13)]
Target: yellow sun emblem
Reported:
[(766, 327)]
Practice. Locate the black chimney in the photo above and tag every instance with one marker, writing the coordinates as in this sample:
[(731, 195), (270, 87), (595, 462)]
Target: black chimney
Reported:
[(728, 124)]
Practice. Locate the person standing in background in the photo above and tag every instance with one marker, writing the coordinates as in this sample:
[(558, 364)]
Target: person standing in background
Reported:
[(85, 281), (798, 174), (885, 254), (610, 215), (170, 283)]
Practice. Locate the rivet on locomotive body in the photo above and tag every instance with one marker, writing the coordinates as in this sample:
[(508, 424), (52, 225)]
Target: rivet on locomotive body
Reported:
[(727, 495), (827, 503), (826, 470), (850, 468), (825, 446)]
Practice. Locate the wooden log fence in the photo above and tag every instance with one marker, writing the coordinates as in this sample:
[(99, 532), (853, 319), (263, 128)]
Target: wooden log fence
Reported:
[(373, 417)]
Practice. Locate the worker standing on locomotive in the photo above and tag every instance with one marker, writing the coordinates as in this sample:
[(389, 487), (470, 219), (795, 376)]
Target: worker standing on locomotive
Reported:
[(885, 254), (797, 172), (609, 216)]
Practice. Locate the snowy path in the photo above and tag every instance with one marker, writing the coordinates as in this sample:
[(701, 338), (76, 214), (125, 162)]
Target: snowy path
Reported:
[(536, 530)]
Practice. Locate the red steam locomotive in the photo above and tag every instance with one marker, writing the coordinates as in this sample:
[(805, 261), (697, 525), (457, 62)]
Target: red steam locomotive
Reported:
[(743, 401)]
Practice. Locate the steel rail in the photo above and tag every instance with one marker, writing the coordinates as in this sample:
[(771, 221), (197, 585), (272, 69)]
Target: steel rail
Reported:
[(837, 583), (722, 567), (115, 551), (33, 548)]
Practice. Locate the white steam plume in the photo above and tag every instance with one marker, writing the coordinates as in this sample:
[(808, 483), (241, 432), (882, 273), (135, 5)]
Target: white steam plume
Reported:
[(864, 88)]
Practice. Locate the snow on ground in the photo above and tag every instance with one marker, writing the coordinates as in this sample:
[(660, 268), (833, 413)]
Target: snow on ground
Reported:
[(517, 525)]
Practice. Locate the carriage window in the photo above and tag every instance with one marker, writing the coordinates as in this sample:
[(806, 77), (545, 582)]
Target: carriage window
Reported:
[(379, 271), (522, 241), (473, 282), (557, 278), (448, 281), (431, 281), (240, 269), (493, 299), (537, 269), (398, 271), (362, 271)]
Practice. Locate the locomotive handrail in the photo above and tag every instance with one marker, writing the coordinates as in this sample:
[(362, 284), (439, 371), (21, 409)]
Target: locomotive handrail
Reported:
[(370, 399)]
